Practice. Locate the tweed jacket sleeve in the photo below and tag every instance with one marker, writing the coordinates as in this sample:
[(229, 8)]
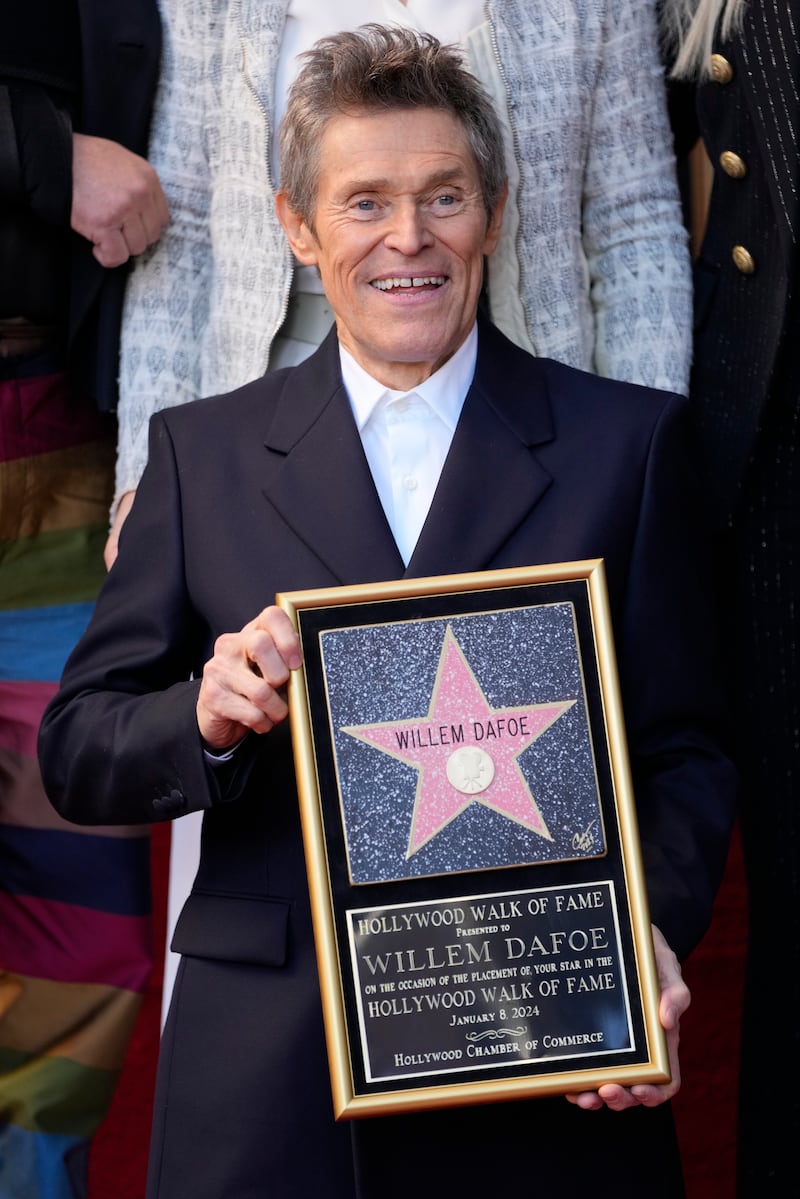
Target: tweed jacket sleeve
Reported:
[(635, 239), (603, 257), (203, 306), (167, 299)]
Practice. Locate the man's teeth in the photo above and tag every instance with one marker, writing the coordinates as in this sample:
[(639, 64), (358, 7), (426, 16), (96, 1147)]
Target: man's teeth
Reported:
[(421, 281)]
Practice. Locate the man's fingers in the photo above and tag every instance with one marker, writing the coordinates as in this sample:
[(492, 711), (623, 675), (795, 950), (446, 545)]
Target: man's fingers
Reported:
[(123, 508), (244, 683), (148, 222), (135, 234), (111, 249), (278, 629), (117, 202)]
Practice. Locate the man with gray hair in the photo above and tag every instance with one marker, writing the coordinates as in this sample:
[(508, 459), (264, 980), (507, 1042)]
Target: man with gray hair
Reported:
[(416, 441)]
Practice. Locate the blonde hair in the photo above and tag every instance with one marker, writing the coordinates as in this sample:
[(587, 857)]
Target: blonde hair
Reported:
[(689, 27)]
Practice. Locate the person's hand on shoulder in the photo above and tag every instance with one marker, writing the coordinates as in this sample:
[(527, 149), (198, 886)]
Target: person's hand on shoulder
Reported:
[(675, 1000), (117, 200)]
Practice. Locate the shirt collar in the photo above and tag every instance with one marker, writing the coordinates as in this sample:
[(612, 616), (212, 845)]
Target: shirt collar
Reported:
[(445, 390)]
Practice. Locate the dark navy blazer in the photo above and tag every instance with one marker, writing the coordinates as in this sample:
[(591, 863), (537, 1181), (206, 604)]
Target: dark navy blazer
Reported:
[(268, 490)]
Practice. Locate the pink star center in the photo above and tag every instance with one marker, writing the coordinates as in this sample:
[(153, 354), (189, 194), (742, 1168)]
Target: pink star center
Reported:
[(465, 751)]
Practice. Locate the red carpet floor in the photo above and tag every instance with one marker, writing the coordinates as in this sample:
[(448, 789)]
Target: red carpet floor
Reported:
[(705, 1108)]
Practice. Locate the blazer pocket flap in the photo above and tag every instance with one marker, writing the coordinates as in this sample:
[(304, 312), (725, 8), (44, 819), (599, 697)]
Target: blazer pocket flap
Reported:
[(233, 928)]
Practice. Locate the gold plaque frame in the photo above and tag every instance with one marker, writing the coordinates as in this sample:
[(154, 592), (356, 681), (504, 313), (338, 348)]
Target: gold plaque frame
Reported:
[(476, 940)]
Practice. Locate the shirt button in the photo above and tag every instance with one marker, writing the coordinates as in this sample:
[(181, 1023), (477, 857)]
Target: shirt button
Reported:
[(410, 483)]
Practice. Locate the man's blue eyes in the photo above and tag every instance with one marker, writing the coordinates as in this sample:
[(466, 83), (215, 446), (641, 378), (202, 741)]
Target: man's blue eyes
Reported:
[(370, 205)]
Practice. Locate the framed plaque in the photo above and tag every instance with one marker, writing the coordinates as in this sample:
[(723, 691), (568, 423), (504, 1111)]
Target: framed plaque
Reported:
[(480, 918)]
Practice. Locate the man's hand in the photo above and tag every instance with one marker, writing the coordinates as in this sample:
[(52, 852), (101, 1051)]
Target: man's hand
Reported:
[(243, 684), (675, 999), (117, 201), (112, 542)]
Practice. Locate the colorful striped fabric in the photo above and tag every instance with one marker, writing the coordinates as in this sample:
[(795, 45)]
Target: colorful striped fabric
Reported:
[(75, 908)]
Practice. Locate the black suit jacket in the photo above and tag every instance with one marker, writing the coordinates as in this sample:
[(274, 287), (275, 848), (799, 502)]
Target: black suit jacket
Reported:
[(121, 46), (112, 54), (743, 320), (268, 490)]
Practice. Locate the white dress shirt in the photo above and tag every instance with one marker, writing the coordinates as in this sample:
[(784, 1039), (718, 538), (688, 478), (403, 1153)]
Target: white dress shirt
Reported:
[(407, 435)]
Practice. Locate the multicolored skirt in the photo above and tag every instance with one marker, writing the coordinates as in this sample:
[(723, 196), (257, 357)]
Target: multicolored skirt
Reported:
[(75, 905)]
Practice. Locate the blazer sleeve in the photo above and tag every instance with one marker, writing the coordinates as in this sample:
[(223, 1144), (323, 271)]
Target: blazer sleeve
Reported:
[(672, 686), (119, 743)]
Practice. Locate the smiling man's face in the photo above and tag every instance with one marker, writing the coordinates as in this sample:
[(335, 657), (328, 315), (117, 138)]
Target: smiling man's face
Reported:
[(399, 237)]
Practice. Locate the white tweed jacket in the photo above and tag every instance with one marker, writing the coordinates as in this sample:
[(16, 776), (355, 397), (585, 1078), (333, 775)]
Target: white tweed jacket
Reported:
[(603, 264)]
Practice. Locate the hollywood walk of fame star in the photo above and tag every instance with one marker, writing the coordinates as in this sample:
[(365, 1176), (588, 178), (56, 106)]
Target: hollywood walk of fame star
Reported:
[(465, 751)]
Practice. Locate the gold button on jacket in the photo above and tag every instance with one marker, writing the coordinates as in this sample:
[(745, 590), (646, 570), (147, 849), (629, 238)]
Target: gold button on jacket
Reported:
[(732, 164), (744, 260), (721, 69)]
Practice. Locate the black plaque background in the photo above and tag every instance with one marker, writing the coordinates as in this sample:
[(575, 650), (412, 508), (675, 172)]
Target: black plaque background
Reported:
[(523, 998), (314, 620)]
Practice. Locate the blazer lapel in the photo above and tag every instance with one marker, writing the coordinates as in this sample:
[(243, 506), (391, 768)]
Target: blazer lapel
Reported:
[(320, 483), (319, 479), (491, 479)]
